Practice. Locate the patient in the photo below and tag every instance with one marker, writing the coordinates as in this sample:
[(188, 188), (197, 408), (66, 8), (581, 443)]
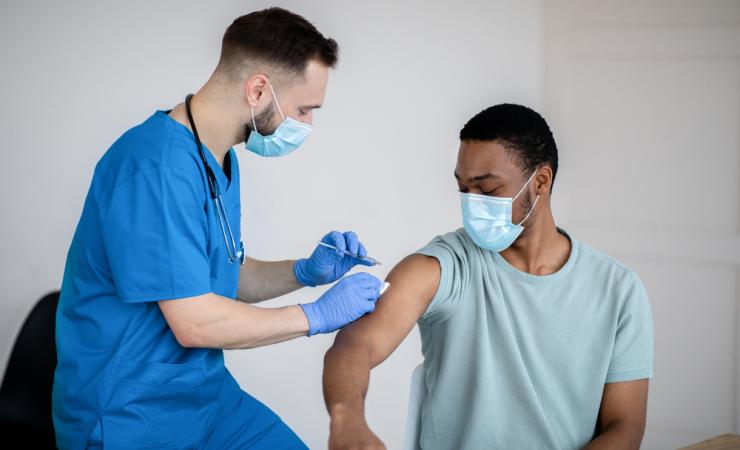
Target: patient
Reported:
[(531, 339)]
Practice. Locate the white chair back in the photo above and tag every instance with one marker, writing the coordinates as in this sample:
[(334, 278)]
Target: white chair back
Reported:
[(413, 417)]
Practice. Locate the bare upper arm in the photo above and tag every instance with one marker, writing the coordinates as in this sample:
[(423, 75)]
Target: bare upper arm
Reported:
[(185, 315), (624, 404), (413, 283)]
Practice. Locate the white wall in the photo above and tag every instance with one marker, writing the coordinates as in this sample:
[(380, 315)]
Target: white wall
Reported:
[(74, 75)]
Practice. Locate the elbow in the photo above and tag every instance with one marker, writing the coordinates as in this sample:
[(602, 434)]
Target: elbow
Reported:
[(190, 336), (192, 320)]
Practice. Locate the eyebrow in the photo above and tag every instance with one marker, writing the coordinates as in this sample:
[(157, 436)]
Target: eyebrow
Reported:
[(480, 177)]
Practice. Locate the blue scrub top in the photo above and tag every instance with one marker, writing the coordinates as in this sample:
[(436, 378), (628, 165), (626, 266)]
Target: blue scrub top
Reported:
[(148, 232)]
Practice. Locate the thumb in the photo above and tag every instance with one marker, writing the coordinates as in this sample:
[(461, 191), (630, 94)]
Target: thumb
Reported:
[(369, 306)]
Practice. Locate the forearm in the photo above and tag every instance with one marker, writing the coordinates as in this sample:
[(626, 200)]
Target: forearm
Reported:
[(620, 436), (347, 368), (225, 323), (263, 280)]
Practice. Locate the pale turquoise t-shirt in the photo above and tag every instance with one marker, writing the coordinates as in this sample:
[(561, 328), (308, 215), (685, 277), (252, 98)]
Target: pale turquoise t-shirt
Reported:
[(519, 361)]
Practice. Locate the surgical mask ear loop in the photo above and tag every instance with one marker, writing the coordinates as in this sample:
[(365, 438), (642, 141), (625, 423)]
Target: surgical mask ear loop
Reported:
[(254, 124), (277, 103), (531, 210), (525, 185)]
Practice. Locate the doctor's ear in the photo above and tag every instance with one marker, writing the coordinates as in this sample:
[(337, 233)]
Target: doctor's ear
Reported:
[(255, 89)]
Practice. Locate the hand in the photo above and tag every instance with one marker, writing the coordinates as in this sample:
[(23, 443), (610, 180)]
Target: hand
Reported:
[(345, 434), (326, 265), (346, 301)]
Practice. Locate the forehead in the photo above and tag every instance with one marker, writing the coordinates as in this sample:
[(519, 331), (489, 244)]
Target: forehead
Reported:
[(312, 84), (475, 158)]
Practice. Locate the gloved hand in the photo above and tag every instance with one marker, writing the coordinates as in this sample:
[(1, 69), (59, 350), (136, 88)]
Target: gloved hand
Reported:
[(326, 265), (346, 301)]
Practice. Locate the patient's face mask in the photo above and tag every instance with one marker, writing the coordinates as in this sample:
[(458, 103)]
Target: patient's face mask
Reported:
[(488, 220), (287, 137)]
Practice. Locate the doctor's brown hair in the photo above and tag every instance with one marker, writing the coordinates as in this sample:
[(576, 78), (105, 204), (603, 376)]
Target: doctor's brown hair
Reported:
[(276, 37)]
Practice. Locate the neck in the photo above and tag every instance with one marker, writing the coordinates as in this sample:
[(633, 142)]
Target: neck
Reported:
[(219, 126), (541, 249)]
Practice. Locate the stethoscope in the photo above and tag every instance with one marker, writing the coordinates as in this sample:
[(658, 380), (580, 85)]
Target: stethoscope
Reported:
[(223, 218)]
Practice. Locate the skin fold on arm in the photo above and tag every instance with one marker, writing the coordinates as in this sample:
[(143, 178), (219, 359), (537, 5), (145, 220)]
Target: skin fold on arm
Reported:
[(364, 344)]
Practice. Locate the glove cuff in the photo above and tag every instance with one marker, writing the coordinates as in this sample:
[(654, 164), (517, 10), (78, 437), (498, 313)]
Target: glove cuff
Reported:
[(309, 309), (298, 271)]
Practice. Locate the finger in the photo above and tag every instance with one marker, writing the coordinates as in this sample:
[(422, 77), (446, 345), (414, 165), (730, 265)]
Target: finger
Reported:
[(360, 276), (364, 280), (371, 282), (369, 307), (375, 294), (336, 239), (362, 251), (353, 242)]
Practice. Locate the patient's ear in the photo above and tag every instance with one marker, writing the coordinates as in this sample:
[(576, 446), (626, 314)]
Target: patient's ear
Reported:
[(543, 180)]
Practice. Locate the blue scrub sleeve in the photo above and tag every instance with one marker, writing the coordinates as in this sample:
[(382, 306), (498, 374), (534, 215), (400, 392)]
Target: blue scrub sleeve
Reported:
[(155, 232), (632, 358)]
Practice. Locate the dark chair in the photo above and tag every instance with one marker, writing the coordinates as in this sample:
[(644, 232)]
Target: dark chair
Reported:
[(25, 395)]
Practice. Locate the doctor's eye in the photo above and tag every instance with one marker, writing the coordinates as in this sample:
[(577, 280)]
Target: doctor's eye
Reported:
[(302, 112)]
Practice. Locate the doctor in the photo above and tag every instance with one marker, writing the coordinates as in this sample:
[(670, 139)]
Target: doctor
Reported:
[(157, 282)]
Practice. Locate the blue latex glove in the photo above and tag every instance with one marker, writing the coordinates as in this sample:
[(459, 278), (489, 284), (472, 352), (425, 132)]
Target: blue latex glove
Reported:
[(326, 265), (351, 298)]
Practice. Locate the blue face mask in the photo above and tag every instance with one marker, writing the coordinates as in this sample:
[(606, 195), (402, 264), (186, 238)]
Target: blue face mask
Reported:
[(488, 219), (288, 136)]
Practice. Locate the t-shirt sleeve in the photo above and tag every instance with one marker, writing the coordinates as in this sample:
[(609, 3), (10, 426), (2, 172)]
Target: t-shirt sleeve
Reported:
[(454, 278), (632, 358), (155, 232)]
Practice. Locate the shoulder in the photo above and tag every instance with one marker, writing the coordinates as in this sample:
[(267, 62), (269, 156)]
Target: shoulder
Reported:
[(450, 256), (604, 265), (418, 269), (454, 243), (156, 146), (621, 280)]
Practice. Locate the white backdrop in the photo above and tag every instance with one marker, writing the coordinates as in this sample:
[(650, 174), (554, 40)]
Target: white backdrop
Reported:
[(76, 74)]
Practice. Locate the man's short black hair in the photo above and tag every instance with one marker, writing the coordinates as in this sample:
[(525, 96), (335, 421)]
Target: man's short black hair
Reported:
[(520, 130), (277, 37)]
